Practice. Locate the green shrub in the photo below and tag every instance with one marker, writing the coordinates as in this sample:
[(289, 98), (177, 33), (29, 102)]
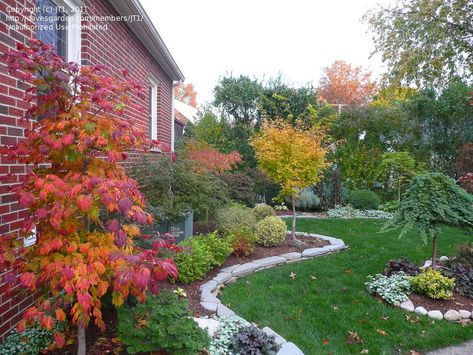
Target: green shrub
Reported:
[(200, 254), (464, 255), (240, 187), (243, 241), (350, 212), (393, 289), (32, 340), (262, 211), (271, 231), (162, 323), (364, 199), (232, 217), (433, 284), (390, 206), (308, 200)]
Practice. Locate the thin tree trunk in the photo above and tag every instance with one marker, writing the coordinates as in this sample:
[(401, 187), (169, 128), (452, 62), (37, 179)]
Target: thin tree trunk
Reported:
[(293, 234), (81, 345), (434, 251)]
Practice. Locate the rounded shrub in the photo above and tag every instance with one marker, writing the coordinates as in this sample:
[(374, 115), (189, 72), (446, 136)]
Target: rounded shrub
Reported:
[(229, 218), (271, 231), (364, 199), (433, 284), (262, 211), (308, 201)]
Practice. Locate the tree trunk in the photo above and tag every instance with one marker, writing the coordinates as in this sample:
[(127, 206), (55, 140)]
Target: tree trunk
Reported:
[(81, 345), (434, 252), (293, 233)]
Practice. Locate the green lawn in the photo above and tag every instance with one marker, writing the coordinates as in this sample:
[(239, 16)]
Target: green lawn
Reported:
[(308, 312)]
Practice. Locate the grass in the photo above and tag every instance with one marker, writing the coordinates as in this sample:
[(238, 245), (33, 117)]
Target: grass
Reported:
[(318, 314)]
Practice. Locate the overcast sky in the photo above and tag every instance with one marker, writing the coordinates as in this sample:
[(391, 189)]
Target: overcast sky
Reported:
[(262, 38)]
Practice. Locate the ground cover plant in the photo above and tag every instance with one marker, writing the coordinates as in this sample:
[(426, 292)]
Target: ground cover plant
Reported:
[(327, 298)]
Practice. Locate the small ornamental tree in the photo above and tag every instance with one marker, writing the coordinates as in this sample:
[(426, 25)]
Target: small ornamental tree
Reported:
[(430, 201), (400, 167), (292, 157), (208, 159), (86, 210)]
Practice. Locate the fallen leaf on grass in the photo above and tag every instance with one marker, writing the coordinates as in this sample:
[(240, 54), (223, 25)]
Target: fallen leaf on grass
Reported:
[(413, 319), (384, 317), (348, 271), (382, 332), (364, 351), (325, 341), (292, 275), (344, 289), (354, 338), (312, 277)]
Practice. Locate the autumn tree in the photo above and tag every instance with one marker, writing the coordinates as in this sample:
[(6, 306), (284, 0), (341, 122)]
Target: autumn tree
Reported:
[(86, 210), (186, 93), (343, 84), (424, 41), (291, 156), (208, 159)]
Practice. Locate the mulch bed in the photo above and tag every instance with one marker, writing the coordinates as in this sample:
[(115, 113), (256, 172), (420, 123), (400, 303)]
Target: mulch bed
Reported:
[(99, 343), (456, 303)]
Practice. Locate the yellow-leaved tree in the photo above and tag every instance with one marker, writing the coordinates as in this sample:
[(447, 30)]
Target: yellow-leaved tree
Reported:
[(292, 156)]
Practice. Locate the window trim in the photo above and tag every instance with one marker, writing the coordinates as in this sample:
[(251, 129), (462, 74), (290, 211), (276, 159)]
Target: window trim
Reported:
[(153, 114), (73, 33)]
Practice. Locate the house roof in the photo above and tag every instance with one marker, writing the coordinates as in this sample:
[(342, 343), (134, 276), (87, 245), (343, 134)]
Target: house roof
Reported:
[(184, 113), (149, 36)]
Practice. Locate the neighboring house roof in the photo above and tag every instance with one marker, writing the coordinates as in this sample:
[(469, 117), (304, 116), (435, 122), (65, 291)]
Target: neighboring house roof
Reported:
[(149, 36), (184, 113)]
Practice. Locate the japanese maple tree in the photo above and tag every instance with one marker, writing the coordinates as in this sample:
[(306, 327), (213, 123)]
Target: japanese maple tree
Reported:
[(86, 209), (208, 159), (292, 156)]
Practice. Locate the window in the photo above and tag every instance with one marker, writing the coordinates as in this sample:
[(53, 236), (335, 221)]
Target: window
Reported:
[(58, 24), (153, 109)]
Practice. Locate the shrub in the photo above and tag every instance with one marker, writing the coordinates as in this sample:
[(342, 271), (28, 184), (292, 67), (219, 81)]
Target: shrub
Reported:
[(271, 231), (232, 217), (32, 340), (350, 212), (308, 200), (200, 254), (252, 340), (463, 278), (404, 265), (229, 327), (464, 255), (262, 211), (243, 241), (240, 187), (390, 206), (162, 323), (433, 284), (364, 199), (393, 289)]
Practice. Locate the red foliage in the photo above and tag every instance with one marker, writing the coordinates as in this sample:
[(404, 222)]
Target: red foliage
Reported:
[(346, 85), (464, 163), (466, 181), (86, 209), (186, 93), (207, 158)]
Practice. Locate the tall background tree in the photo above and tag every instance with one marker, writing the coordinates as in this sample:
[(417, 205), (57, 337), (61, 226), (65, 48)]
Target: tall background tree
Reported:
[(424, 41), (343, 84), (186, 93)]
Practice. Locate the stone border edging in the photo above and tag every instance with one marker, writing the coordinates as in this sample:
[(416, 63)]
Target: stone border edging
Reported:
[(210, 290), (451, 315)]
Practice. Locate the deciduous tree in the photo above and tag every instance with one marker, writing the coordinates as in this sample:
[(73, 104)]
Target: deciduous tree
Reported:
[(186, 93), (343, 84), (424, 41), (86, 210), (208, 159), (291, 156)]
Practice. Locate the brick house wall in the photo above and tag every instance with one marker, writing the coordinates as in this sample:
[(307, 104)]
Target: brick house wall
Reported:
[(118, 48)]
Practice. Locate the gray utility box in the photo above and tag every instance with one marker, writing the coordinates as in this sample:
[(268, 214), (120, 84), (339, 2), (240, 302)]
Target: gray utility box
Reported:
[(181, 229)]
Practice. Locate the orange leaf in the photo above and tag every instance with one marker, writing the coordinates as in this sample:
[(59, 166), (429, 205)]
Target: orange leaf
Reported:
[(47, 322), (60, 315)]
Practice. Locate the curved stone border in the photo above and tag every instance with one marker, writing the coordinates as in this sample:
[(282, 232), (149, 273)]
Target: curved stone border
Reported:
[(452, 315), (210, 290)]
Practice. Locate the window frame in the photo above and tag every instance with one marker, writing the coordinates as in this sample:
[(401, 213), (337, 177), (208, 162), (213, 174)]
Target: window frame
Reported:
[(153, 110)]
